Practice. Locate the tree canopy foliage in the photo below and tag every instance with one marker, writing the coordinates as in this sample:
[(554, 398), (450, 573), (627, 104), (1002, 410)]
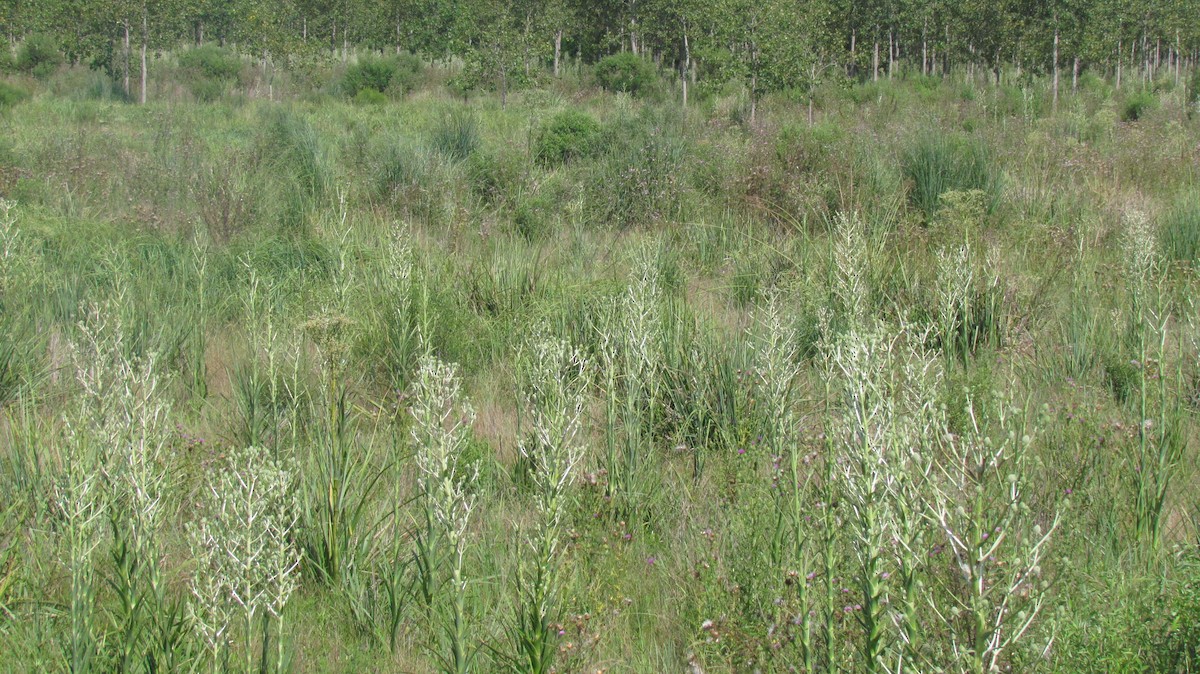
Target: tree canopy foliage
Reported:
[(770, 45)]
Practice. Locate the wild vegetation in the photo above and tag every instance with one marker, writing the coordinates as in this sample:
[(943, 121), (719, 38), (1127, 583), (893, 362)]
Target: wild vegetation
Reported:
[(347, 366)]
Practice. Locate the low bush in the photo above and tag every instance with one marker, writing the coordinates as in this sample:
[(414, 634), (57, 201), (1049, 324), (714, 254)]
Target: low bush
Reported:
[(1137, 105), (370, 97), (408, 74), (368, 73), (211, 61), (627, 73), (569, 134), (39, 56), (398, 75), (11, 95)]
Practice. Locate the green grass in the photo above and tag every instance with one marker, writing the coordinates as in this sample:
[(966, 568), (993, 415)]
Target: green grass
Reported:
[(750, 316)]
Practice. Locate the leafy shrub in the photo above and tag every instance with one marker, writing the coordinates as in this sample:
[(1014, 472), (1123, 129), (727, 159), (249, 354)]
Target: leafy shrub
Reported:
[(397, 75), (370, 96), (457, 135), (1137, 105), (39, 56), (937, 164), (368, 73), (408, 74), (206, 90), (1180, 233), (10, 95), (570, 134), (7, 63), (625, 72), (212, 62)]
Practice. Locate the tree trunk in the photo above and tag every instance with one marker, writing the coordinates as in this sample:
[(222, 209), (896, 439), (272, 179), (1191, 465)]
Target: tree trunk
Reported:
[(1054, 105), (125, 55), (557, 49), (687, 64), (875, 63), (891, 54), (925, 48), (754, 90), (1075, 76), (1118, 63), (145, 39), (852, 70), (812, 85)]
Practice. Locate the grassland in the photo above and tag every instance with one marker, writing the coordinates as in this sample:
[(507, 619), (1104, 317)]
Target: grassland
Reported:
[(594, 383)]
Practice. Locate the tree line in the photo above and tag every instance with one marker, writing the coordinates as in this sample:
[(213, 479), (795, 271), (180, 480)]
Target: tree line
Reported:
[(771, 45)]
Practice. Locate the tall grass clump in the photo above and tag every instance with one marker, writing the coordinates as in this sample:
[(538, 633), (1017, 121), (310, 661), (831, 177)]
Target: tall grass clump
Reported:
[(936, 163), (339, 471), (456, 135), (1159, 446), (631, 357), (1179, 236), (637, 181), (301, 162), (995, 537), (10, 95), (886, 433), (777, 371), (78, 499), (247, 565), (554, 395), (442, 419), (122, 419)]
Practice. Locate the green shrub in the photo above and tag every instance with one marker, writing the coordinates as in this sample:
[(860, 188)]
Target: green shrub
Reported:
[(1137, 105), (457, 135), (936, 164), (1180, 233), (369, 73), (206, 90), (410, 70), (570, 134), (39, 56), (626, 72), (212, 62), (370, 97), (11, 95), (7, 63), (398, 75)]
